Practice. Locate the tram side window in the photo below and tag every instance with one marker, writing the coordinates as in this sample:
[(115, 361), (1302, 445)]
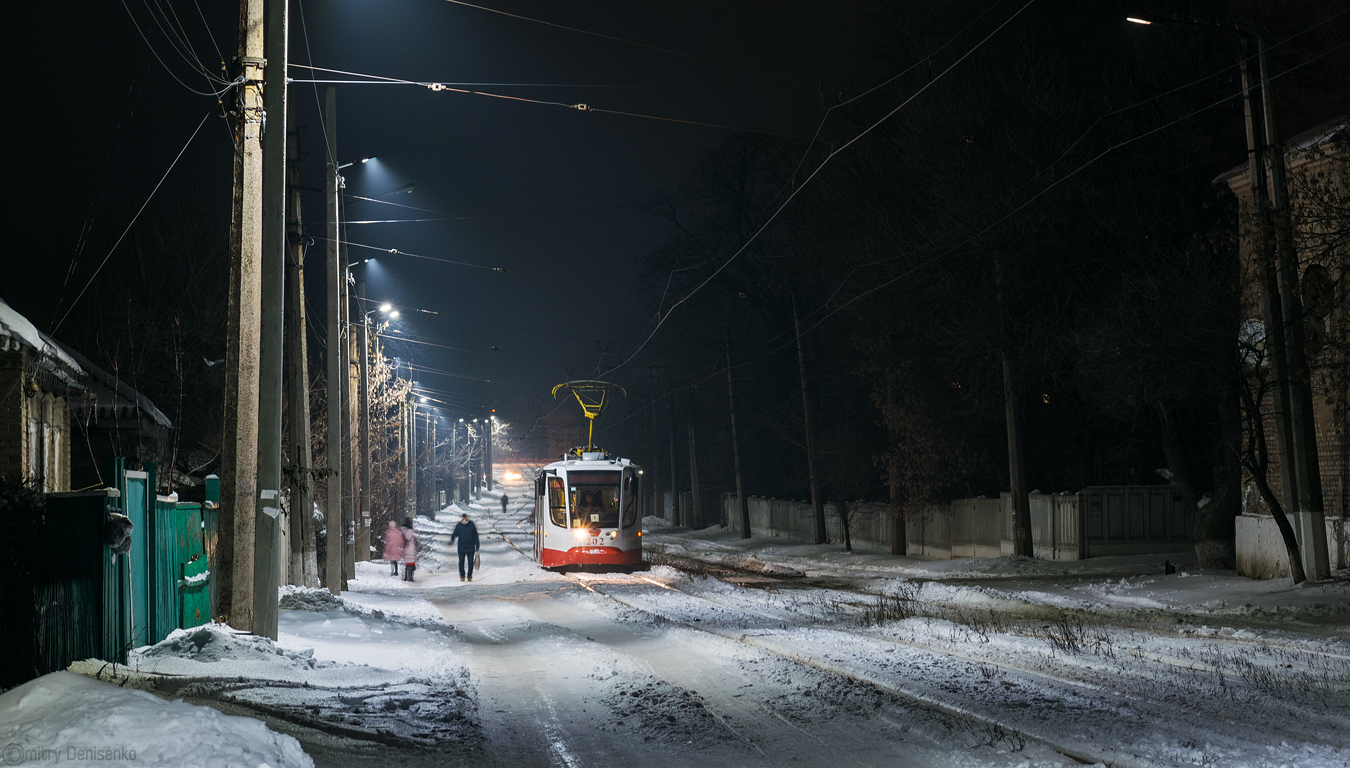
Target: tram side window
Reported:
[(557, 506), (632, 496)]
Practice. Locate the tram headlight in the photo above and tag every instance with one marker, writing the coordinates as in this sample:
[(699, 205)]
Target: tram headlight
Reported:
[(580, 533)]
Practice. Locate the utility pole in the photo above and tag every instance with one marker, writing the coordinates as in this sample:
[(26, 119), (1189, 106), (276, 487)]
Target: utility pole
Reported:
[(694, 501), (336, 282), (817, 503), (414, 456), (363, 400), (348, 411), (1023, 546), (304, 571), (491, 423), (1307, 469), (742, 507), (266, 556), (655, 482), (674, 471), (239, 450)]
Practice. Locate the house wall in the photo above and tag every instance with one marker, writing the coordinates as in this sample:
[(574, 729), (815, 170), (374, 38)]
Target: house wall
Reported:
[(34, 427)]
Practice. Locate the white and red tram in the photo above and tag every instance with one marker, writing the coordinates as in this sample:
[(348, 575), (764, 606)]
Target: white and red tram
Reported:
[(587, 513)]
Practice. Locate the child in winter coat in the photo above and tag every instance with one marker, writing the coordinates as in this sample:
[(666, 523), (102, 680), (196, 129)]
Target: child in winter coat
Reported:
[(409, 549), (393, 547)]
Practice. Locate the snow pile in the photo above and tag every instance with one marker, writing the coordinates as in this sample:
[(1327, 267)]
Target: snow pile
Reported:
[(293, 598), (219, 650), (652, 523), (68, 718)]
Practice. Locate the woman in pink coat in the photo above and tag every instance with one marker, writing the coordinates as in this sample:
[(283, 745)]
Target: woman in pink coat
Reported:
[(409, 549), (393, 547)]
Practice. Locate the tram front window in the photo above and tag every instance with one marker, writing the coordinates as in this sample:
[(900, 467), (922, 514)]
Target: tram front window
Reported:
[(595, 499)]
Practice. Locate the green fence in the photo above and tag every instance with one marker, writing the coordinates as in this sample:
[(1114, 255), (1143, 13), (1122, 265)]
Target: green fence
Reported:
[(91, 603)]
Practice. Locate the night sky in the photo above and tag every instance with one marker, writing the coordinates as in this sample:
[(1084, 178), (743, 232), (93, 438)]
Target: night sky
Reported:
[(549, 194)]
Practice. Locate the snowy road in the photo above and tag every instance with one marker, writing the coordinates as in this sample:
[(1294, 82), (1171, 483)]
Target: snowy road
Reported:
[(751, 666), (566, 676)]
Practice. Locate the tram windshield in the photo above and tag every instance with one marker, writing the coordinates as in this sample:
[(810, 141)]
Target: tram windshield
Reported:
[(594, 498)]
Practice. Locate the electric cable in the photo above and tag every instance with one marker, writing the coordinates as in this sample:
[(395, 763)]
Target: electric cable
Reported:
[(798, 188), (617, 39), (580, 107), (132, 223), (414, 255)]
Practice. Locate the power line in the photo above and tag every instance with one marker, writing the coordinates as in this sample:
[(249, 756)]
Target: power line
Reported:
[(798, 188), (580, 107), (133, 221), (418, 256), (617, 39)]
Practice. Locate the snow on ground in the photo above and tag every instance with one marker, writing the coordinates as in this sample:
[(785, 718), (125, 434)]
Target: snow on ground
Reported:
[(65, 718)]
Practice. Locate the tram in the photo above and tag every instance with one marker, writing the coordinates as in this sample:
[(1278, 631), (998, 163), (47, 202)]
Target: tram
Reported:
[(588, 506), (588, 513)]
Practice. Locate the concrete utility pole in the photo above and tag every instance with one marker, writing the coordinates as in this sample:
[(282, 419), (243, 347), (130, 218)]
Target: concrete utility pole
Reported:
[(304, 571), (742, 507), (655, 482), (694, 496), (363, 415), (414, 456), (337, 278), (491, 428), (267, 557), (1307, 468), (817, 503), (349, 431), (1023, 545), (239, 450), (674, 465)]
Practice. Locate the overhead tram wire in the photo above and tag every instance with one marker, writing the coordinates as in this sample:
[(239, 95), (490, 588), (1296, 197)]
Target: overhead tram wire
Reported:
[(580, 107), (415, 255), (799, 187)]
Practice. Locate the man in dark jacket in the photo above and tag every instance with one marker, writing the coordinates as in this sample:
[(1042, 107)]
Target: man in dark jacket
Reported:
[(467, 533)]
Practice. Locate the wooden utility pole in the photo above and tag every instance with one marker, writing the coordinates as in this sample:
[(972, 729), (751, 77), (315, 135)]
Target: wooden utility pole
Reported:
[(336, 285), (742, 507), (239, 449), (695, 517), (304, 570), (267, 534), (363, 417), (817, 503)]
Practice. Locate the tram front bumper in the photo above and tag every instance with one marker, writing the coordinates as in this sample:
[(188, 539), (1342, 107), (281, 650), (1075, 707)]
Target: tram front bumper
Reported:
[(591, 555)]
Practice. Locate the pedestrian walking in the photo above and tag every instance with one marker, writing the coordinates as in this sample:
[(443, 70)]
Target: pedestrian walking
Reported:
[(467, 533), (409, 549), (504, 503), (393, 547)]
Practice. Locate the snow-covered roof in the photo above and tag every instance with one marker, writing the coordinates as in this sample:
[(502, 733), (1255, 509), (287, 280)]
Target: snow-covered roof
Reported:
[(114, 393), (1334, 130), (16, 330)]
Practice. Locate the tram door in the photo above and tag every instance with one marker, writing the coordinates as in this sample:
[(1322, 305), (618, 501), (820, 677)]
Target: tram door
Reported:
[(537, 519)]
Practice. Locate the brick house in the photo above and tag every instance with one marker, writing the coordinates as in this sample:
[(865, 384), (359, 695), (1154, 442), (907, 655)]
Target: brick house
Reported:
[(1318, 170)]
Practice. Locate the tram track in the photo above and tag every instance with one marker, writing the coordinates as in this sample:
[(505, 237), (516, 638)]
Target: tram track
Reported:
[(988, 713), (822, 665)]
